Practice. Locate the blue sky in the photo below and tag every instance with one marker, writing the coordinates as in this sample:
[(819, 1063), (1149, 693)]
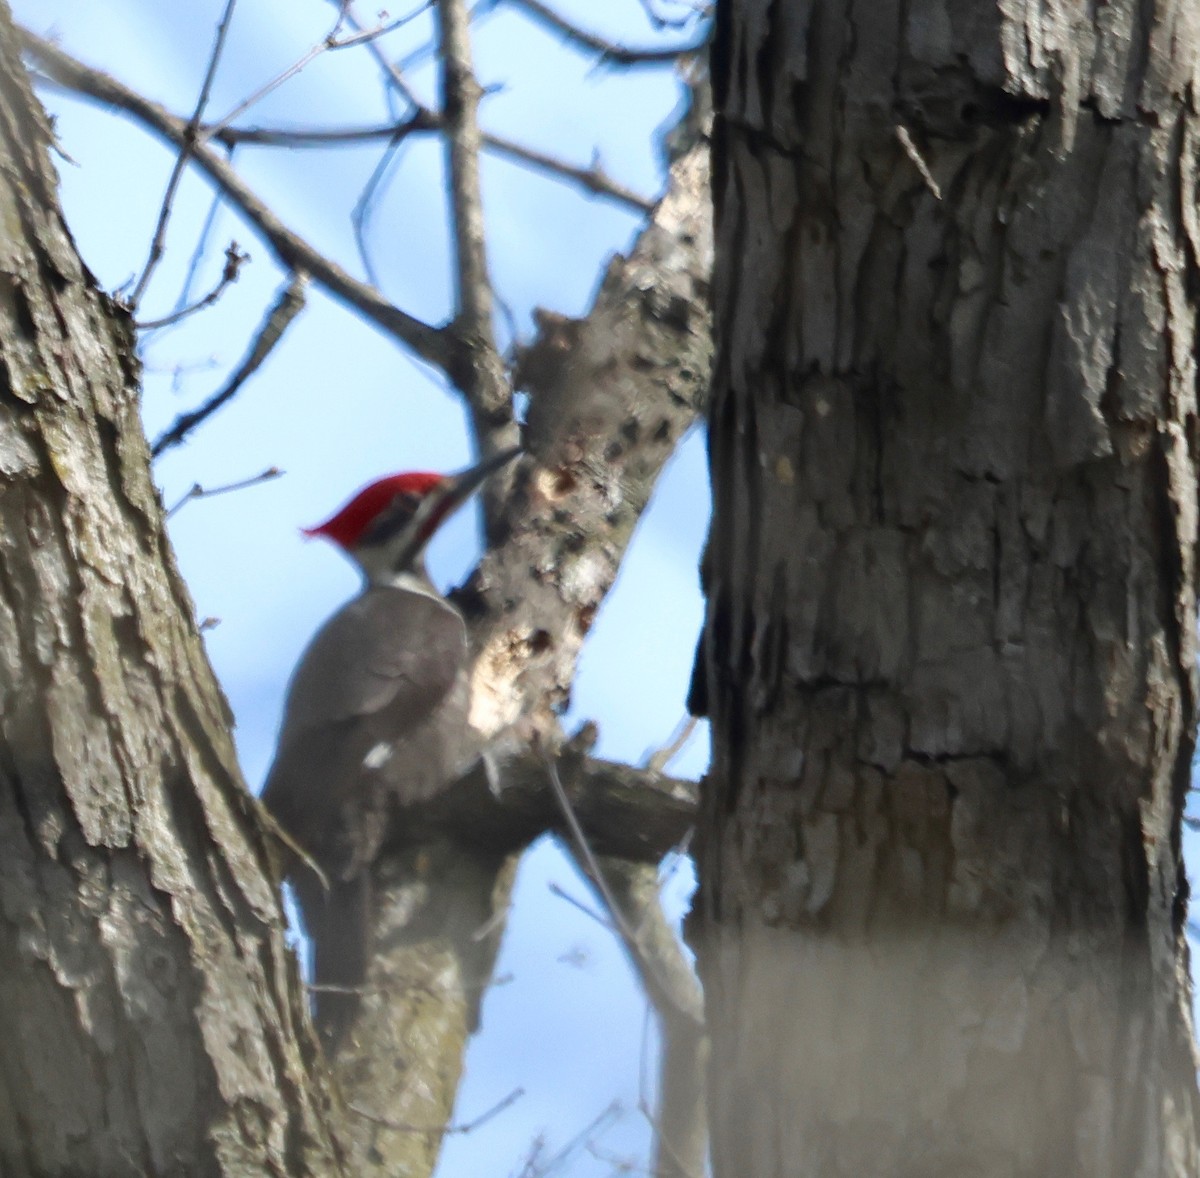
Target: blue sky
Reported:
[(338, 405)]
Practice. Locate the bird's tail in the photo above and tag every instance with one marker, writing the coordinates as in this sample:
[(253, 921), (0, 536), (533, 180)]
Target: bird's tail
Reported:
[(337, 920)]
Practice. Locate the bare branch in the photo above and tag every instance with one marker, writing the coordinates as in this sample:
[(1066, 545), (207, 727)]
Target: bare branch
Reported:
[(443, 1130), (234, 260), (586, 858), (609, 396), (158, 241), (200, 250), (363, 36), (537, 1167), (482, 377), (285, 309), (258, 95), (421, 120), (196, 491), (561, 892), (628, 813), (364, 206), (609, 52), (631, 893), (650, 943), (681, 1136), (433, 344), (692, 10), (593, 178), (390, 70), (331, 42), (662, 757)]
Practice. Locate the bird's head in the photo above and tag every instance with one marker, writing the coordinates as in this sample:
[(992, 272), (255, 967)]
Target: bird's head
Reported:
[(384, 529)]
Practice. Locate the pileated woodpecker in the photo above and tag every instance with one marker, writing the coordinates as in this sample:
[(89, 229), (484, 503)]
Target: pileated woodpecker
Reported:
[(375, 719)]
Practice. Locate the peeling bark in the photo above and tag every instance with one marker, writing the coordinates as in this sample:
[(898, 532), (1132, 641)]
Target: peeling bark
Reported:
[(950, 644), (150, 1013)]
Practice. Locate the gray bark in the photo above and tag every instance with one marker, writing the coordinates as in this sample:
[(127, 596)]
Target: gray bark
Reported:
[(611, 395), (152, 1018), (150, 1012), (950, 646)]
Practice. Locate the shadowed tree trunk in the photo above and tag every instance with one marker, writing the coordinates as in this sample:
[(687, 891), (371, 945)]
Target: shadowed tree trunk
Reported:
[(950, 645), (149, 1008)]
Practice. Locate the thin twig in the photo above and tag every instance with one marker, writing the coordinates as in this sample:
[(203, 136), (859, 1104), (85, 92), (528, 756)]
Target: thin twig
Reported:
[(362, 36), (158, 241), (609, 52), (285, 309), (421, 120), (592, 179), (592, 865), (535, 1169), (662, 757), (563, 894), (441, 1130), (393, 72), (331, 42), (234, 260), (364, 206), (663, 993), (432, 344), (198, 254), (181, 369), (196, 491), (292, 70)]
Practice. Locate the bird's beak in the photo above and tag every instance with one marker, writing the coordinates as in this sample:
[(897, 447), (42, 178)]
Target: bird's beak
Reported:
[(459, 487), (439, 505)]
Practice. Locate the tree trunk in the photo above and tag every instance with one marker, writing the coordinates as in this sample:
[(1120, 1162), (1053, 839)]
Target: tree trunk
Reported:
[(950, 645), (149, 1007)]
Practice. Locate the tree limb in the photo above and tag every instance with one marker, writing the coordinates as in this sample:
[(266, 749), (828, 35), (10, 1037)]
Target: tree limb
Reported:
[(592, 179), (288, 304), (185, 150), (609, 51), (433, 344), (481, 375)]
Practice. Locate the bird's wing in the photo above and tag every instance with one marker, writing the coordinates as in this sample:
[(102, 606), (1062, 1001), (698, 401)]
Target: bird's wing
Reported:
[(388, 648)]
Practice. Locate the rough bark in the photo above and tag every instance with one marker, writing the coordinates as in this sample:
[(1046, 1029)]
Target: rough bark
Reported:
[(950, 645), (611, 395), (150, 1013)]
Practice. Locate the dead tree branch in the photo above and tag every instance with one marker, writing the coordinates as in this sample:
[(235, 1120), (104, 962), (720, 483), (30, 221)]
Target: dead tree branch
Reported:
[(234, 261), (608, 52), (433, 344), (481, 376), (197, 491), (279, 318), (628, 813), (680, 1124), (630, 891), (186, 148), (592, 179)]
